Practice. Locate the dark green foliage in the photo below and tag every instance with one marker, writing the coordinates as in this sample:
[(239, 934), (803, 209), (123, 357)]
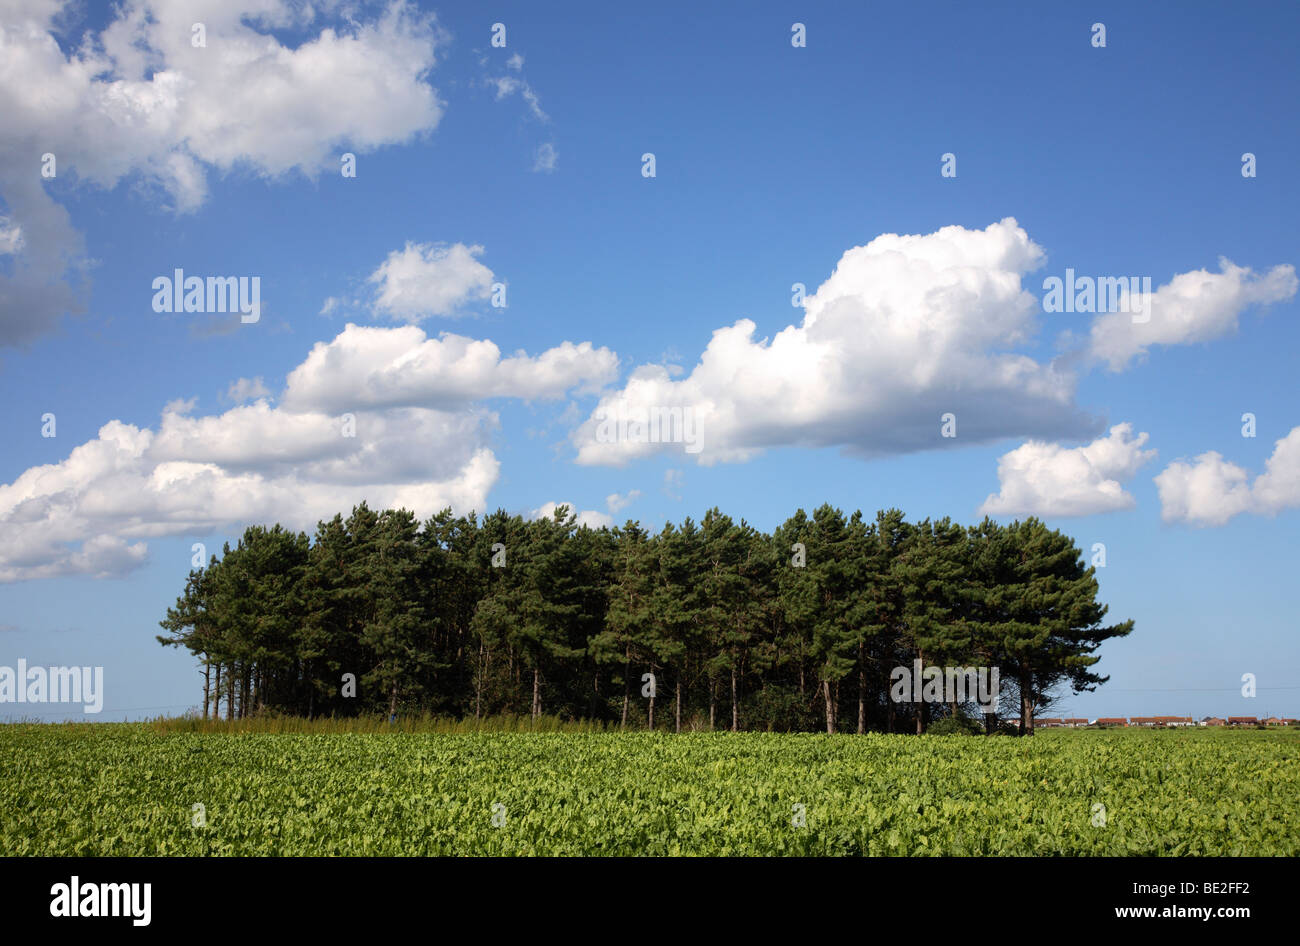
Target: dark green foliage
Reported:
[(955, 726), (797, 630)]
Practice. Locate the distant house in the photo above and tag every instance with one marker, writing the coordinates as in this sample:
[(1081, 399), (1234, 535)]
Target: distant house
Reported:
[(1163, 722), (1151, 722)]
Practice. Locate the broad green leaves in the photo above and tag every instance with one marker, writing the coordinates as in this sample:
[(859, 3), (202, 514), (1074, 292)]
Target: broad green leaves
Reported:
[(128, 790)]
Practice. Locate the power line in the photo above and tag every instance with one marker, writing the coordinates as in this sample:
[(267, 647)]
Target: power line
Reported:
[(125, 709), (1188, 689)]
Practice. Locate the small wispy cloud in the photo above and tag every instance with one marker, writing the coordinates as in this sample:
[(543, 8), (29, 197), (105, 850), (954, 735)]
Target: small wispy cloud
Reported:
[(547, 157), (615, 502), (673, 480), (246, 389), (506, 86)]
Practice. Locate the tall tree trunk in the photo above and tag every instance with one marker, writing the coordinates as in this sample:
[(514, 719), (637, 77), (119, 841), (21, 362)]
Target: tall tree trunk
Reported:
[(862, 691), (1026, 705), (392, 703), (478, 684), (735, 708), (627, 684), (230, 692), (679, 706), (650, 719), (207, 680), (713, 701), (920, 707), (537, 693), (830, 708), (216, 694)]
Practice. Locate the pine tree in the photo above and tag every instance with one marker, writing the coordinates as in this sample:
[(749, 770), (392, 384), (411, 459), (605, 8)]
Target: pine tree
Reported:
[(679, 607), (628, 638), (548, 605), (1053, 623), (396, 629), (459, 616)]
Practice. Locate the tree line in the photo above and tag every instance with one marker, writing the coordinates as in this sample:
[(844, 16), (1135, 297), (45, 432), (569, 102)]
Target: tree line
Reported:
[(726, 625)]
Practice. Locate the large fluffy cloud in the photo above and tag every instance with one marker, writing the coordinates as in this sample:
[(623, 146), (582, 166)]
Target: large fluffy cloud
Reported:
[(372, 367), (906, 329), (138, 98), (1210, 490), (1192, 307), (1046, 479), (251, 464), (381, 414)]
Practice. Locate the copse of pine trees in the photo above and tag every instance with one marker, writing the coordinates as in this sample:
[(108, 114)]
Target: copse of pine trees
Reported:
[(712, 624)]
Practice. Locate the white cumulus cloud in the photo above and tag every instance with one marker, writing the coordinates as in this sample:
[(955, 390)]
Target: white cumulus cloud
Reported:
[(375, 367), (252, 464), (423, 280), (906, 329), (1210, 490), (1192, 307), (1046, 479), (139, 99), (381, 414)]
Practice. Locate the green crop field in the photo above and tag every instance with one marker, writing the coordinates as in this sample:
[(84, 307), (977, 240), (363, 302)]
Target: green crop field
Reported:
[(135, 790)]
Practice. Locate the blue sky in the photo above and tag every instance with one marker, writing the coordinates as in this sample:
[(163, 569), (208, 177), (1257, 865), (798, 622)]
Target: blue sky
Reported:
[(772, 163)]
